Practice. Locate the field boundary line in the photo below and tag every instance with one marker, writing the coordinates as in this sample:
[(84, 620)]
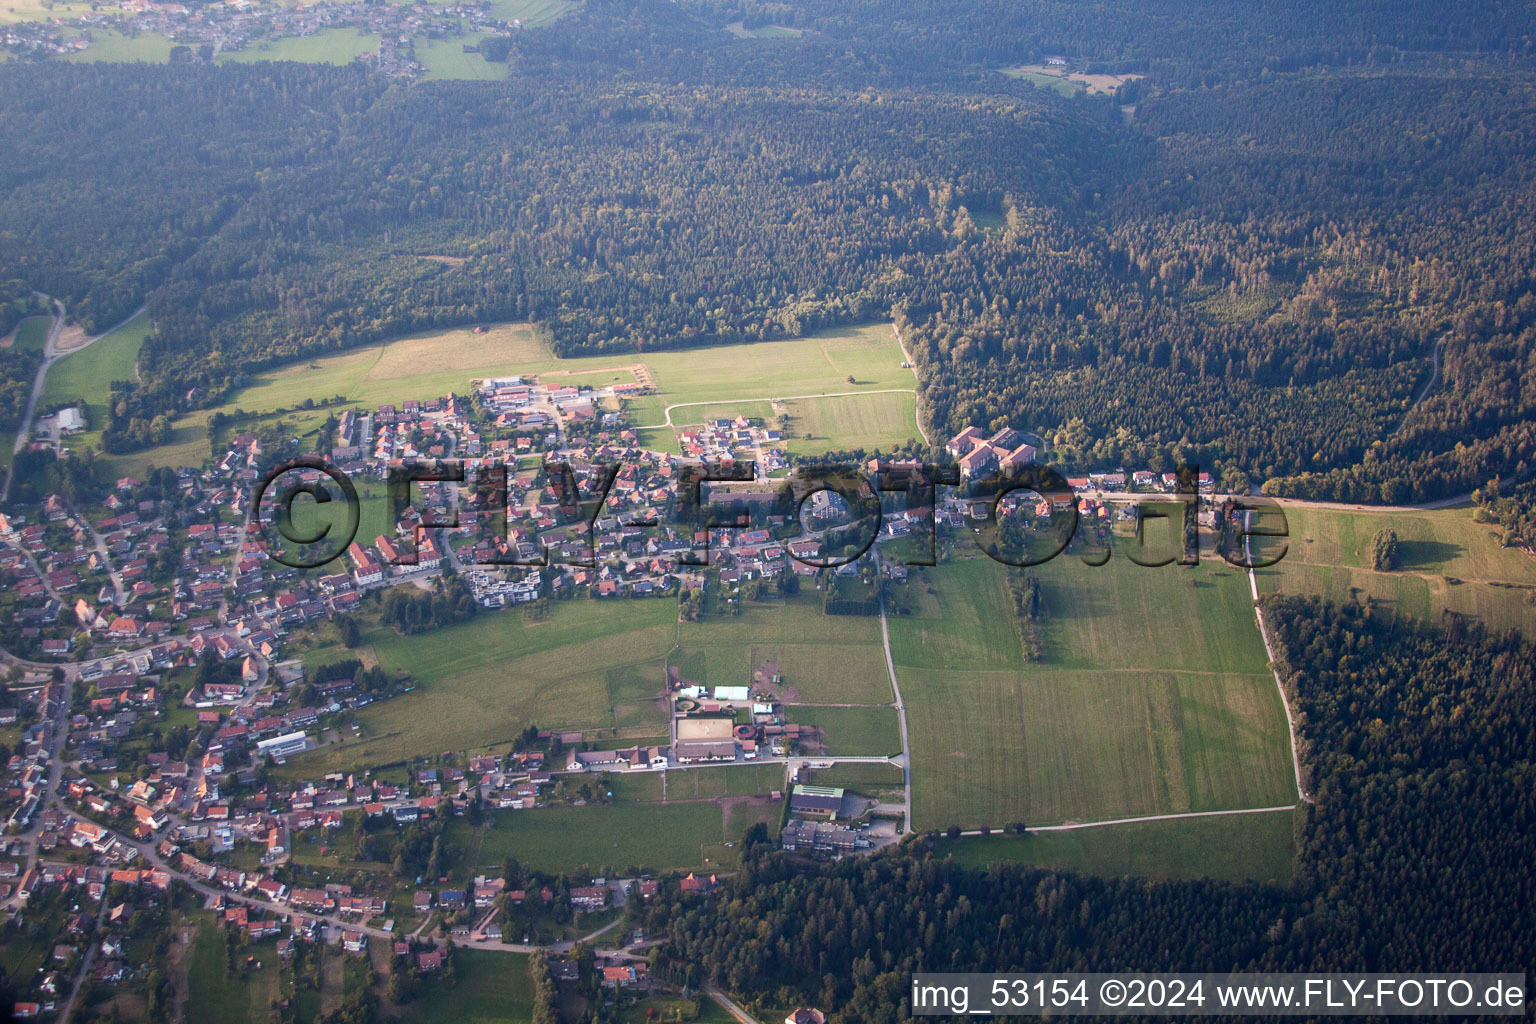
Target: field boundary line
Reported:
[(906, 357), (901, 705), (773, 398), (1269, 651), (1149, 817)]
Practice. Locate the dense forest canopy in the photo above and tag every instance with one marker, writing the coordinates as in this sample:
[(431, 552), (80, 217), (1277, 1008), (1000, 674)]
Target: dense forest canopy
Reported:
[(1249, 257)]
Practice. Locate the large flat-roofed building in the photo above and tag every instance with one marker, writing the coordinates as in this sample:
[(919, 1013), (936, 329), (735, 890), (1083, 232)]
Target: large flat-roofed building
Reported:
[(284, 745), (818, 835), (816, 801), (689, 751)]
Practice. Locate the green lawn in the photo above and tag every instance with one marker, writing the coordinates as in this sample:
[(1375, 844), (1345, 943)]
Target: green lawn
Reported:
[(1044, 81), (489, 988), (723, 780), (328, 46), (870, 779), (115, 47), (433, 363), (533, 13), (852, 732), (1260, 847), (482, 682), (1448, 561), (736, 29), (445, 58), (219, 997), (660, 837), (89, 372), (32, 333), (1153, 696), (842, 673), (41, 10), (884, 421)]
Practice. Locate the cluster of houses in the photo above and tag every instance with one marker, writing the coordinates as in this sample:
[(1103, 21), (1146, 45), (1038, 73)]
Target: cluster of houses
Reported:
[(241, 24), (727, 439)]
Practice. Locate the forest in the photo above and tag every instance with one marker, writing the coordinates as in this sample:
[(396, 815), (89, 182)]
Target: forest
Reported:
[(1296, 251), (1416, 856)]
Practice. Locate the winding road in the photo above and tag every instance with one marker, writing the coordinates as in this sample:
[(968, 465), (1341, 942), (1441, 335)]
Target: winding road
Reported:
[(51, 355)]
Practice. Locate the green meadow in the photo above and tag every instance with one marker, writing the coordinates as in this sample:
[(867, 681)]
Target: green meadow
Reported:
[(87, 375), (1152, 696), (1238, 847), (1447, 562)]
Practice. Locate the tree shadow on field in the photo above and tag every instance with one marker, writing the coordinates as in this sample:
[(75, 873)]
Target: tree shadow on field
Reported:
[(1426, 554)]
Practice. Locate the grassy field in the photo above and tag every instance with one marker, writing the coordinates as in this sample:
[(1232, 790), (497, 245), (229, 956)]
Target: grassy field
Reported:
[(660, 837), (1068, 83), (849, 673), (329, 46), (1260, 847), (434, 363), (738, 30), (115, 47), (219, 997), (1056, 83), (813, 365), (445, 58), (1448, 561), (88, 374), (1153, 696), (482, 682), (861, 778), (732, 780), (40, 10), (881, 421), (489, 988), (32, 333), (533, 13), (822, 658), (851, 732)]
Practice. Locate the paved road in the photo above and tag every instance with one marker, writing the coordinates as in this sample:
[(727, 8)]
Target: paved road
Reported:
[(1434, 378), (85, 962), (1290, 721), (119, 593), (783, 398), (1074, 826), (901, 705), (725, 1001), (906, 357), (51, 354)]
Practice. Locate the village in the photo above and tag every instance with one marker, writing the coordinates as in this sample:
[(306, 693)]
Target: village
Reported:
[(205, 31), (151, 647)]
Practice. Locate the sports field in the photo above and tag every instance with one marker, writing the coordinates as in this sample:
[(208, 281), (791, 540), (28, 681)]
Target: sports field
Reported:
[(88, 375), (1258, 847), (1152, 697), (1448, 561), (653, 836)]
